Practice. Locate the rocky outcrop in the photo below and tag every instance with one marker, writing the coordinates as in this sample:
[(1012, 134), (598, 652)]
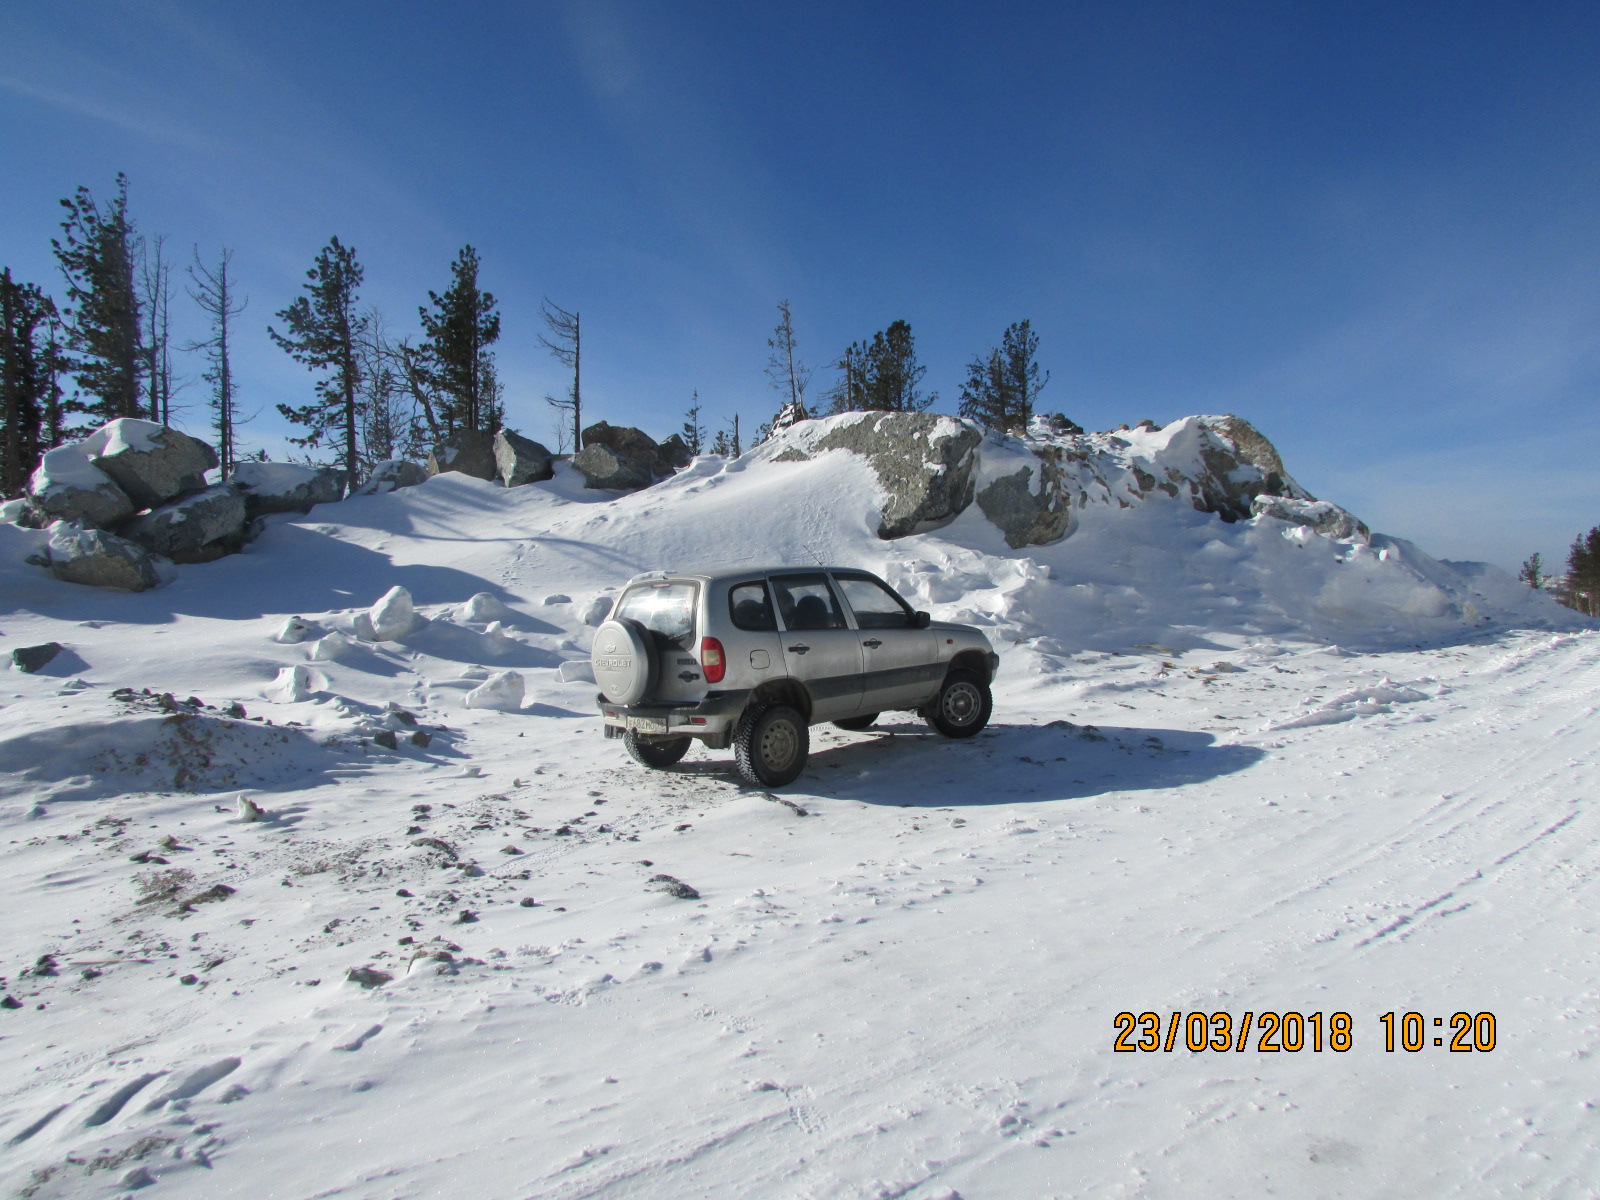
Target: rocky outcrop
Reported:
[(923, 462), (1240, 464), (675, 452), (269, 487), (468, 451), (198, 528), (1322, 516), (99, 559), (390, 475), (520, 460), (1029, 517), (604, 467), (150, 463), (67, 486)]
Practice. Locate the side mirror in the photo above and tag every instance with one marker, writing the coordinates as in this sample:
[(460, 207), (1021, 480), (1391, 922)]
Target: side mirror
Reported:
[(921, 620)]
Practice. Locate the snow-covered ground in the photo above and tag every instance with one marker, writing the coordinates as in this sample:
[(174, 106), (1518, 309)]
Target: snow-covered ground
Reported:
[(1232, 769)]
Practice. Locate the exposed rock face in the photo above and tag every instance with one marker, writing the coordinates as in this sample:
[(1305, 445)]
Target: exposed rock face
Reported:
[(391, 475), (469, 451), (66, 486), (1026, 517), (1323, 516), (675, 452), (29, 659), (604, 467), (197, 528), (521, 460), (924, 463), (100, 559), (285, 487), (1240, 465), (149, 462)]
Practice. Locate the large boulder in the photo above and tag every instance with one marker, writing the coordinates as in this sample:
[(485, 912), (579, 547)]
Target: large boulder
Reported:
[(923, 462), (674, 454), (624, 439), (269, 487), (66, 486), (469, 451), (604, 467), (1239, 465), (197, 528), (1027, 517), (521, 460), (149, 462), (1323, 516), (99, 559), (390, 475)]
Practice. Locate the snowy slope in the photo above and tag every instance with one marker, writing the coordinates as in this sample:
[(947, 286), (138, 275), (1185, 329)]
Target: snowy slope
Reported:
[(1232, 768)]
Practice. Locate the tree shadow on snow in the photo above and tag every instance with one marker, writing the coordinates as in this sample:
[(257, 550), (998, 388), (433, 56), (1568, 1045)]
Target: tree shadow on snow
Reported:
[(908, 765)]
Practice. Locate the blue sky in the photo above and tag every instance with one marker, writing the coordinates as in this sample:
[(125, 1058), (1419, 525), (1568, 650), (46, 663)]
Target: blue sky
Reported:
[(1371, 229)]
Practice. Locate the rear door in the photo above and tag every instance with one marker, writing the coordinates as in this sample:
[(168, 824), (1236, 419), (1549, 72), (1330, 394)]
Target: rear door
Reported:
[(898, 658), (819, 647), (666, 608)]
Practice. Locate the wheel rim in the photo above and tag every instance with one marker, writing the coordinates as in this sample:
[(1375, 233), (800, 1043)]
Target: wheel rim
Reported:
[(779, 744), (962, 703)]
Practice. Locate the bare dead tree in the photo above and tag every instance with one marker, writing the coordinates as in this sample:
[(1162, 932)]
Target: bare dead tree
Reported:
[(565, 343)]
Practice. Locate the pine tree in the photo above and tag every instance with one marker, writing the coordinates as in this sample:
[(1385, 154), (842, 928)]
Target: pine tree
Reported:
[(1583, 573), (890, 372), (27, 380), (566, 344), (1003, 387), (459, 328), (1532, 572), (789, 376), (98, 258), (324, 331), (213, 292), (848, 395), (693, 432)]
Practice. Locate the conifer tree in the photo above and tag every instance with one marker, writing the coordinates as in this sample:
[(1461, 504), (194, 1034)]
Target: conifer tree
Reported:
[(98, 257), (1532, 572), (1583, 573), (693, 432), (27, 380), (459, 328), (848, 395), (324, 330), (1003, 386), (788, 374), (155, 292), (890, 372), (213, 291)]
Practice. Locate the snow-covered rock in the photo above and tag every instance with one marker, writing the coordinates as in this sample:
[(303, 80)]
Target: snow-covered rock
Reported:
[(1323, 516), (521, 460), (481, 608), (504, 691), (393, 616), (390, 475), (197, 528), (151, 463), (98, 559), (295, 630), (467, 451), (293, 684), (273, 487), (67, 486)]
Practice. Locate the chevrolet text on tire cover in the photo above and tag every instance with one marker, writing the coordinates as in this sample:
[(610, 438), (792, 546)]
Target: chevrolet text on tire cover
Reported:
[(749, 659)]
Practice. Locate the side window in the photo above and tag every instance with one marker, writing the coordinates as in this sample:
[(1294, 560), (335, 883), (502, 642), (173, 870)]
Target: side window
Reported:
[(807, 602), (750, 608), (874, 605)]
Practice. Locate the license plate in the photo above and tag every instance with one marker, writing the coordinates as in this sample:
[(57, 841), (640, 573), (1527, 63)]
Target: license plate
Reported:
[(647, 724)]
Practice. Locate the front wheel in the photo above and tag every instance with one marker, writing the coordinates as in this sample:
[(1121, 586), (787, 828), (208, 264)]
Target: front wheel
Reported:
[(962, 706), (657, 752), (771, 745)]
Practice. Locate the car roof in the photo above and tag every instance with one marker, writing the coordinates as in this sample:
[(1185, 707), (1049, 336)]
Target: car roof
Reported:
[(741, 572)]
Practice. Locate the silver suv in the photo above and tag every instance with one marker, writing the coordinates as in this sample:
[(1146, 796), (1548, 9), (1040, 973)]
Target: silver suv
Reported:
[(752, 658)]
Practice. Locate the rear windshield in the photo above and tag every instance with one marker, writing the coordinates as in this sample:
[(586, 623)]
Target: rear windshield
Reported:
[(665, 609)]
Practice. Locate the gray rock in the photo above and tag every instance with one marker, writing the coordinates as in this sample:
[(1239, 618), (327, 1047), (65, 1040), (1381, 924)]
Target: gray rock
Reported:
[(624, 439), (1029, 518), (923, 461), (1240, 464), (521, 460), (99, 559), (391, 475), (1323, 516), (469, 451), (29, 659), (66, 486), (675, 453), (603, 467), (150, 462), (197, 528), (270, 487)]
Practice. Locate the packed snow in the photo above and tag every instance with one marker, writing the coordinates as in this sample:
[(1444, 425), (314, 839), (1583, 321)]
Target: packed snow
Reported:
[(288, 912)]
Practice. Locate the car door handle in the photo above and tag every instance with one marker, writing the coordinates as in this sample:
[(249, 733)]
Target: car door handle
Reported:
[(800, 647), (872, 643)]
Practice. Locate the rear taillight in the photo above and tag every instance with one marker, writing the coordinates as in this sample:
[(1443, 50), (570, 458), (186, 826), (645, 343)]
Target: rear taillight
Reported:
[(711, 660)]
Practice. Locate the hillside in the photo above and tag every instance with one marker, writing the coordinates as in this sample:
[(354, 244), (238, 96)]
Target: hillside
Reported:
[(1235, 766)]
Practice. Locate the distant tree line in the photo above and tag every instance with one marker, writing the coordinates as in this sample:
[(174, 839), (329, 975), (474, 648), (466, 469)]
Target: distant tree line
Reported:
[(1579, 588)]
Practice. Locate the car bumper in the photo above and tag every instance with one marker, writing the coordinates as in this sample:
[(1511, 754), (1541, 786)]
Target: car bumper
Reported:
[(712, 718)]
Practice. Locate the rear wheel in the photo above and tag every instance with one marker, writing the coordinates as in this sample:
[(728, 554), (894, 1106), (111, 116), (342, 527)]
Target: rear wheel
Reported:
[(656, 752), (962, 706), (857, 724), (771, 745)]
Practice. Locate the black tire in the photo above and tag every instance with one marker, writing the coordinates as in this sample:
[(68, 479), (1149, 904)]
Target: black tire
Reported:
[(656, 752), (857, 724), (962, 706), (771, 745)]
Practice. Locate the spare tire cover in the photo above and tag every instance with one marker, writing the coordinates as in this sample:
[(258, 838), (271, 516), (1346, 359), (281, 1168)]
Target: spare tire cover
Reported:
[(623, 664)]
